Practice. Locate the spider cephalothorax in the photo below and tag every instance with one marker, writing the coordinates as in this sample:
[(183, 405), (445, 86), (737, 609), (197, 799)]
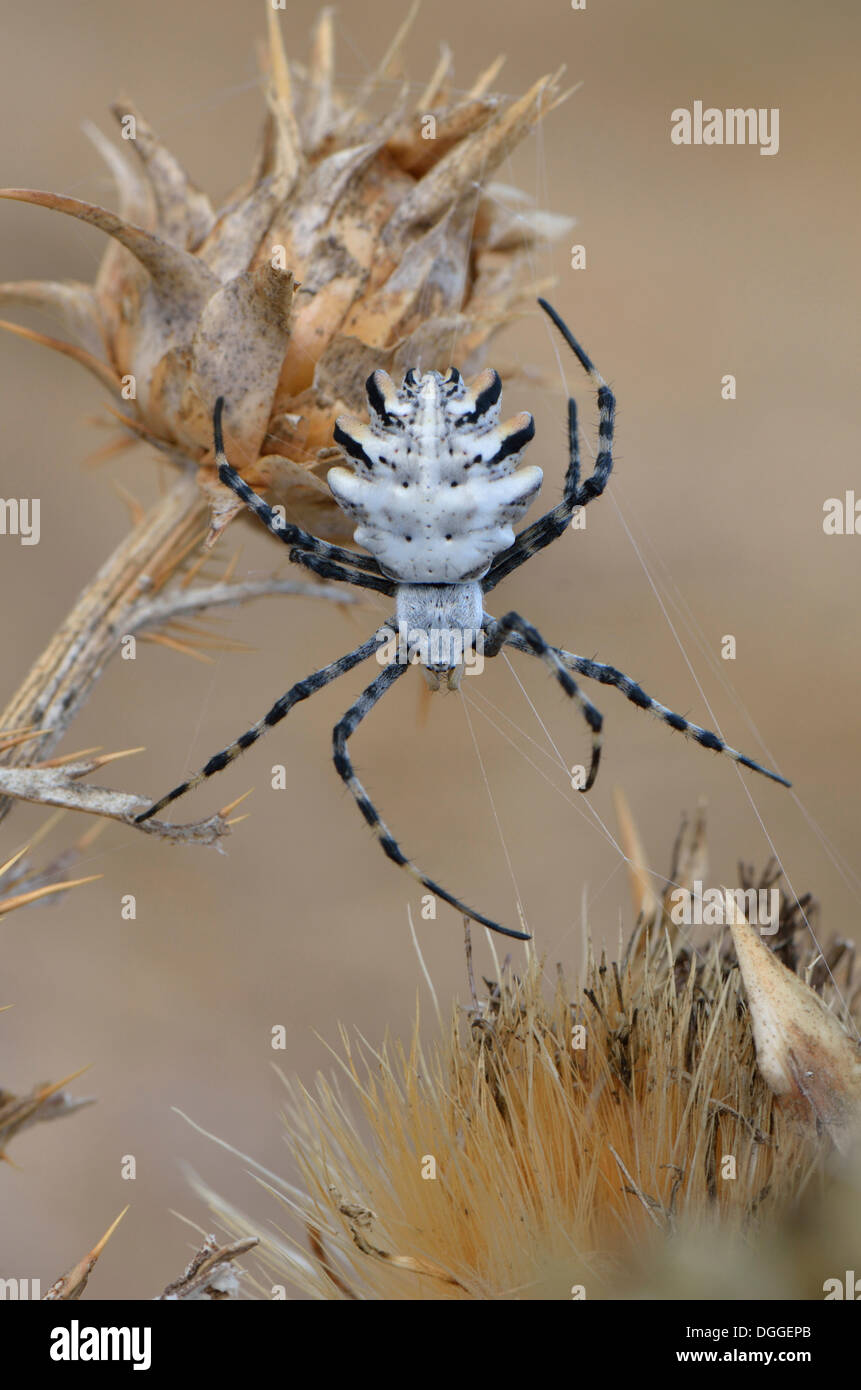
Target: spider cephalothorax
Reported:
[(435, 487)]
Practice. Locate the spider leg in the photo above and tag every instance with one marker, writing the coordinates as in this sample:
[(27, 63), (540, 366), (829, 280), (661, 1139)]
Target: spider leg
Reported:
[(284, 530), (575, 494), (521, 634), (328, 569), (341, 733), (608, 675), (300, 691)]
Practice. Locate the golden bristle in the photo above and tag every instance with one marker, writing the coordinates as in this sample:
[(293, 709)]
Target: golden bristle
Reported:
[(573, 1140)]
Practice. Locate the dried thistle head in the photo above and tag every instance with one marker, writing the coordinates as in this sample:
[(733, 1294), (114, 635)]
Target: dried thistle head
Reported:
[(356, 243), (614, 1140)]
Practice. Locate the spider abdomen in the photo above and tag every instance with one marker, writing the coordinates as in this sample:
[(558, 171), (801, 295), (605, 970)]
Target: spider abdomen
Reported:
[(435, 485)]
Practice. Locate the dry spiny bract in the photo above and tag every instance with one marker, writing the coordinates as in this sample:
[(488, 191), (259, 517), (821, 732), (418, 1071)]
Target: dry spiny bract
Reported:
[(358, 244)]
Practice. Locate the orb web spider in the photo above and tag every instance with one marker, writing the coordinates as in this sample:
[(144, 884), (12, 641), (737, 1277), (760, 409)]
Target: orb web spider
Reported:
[(435, 487)]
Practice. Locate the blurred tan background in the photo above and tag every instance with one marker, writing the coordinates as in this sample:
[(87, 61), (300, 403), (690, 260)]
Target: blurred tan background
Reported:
[(701, 262)]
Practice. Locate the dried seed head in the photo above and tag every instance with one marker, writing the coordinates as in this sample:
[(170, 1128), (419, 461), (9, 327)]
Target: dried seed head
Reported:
[(357, 244), (621, 1139)]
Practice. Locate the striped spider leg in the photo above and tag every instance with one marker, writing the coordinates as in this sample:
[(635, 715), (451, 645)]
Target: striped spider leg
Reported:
[(608, 675)]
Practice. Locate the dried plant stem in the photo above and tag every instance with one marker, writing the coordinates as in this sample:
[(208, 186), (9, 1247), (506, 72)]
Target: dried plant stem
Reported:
[(59, 786), (211, 1273), (155, 612), (121, 600), (60, 681)]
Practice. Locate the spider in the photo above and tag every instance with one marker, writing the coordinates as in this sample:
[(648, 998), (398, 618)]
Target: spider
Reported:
[(435, 487)]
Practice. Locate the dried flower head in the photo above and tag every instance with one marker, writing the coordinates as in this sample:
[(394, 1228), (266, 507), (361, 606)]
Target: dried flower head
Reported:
[(612, 1141), (358, 242)]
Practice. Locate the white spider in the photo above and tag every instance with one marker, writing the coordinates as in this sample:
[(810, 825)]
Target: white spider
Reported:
[(436, 489)]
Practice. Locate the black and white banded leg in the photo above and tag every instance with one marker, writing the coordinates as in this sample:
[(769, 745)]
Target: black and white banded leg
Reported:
[(341, 733), (329, 569), (300, 691), (284, 530), (514, 629), (608, 675), (575, 494)]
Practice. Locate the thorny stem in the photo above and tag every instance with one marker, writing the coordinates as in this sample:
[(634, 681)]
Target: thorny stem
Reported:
[(155, 612), (119, 601), (122, 599), (60, 681)]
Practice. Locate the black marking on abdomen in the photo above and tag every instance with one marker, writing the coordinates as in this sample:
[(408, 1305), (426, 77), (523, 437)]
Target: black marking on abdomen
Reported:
[(484, 401), (351, 446), (514, 442), (376, 399)]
